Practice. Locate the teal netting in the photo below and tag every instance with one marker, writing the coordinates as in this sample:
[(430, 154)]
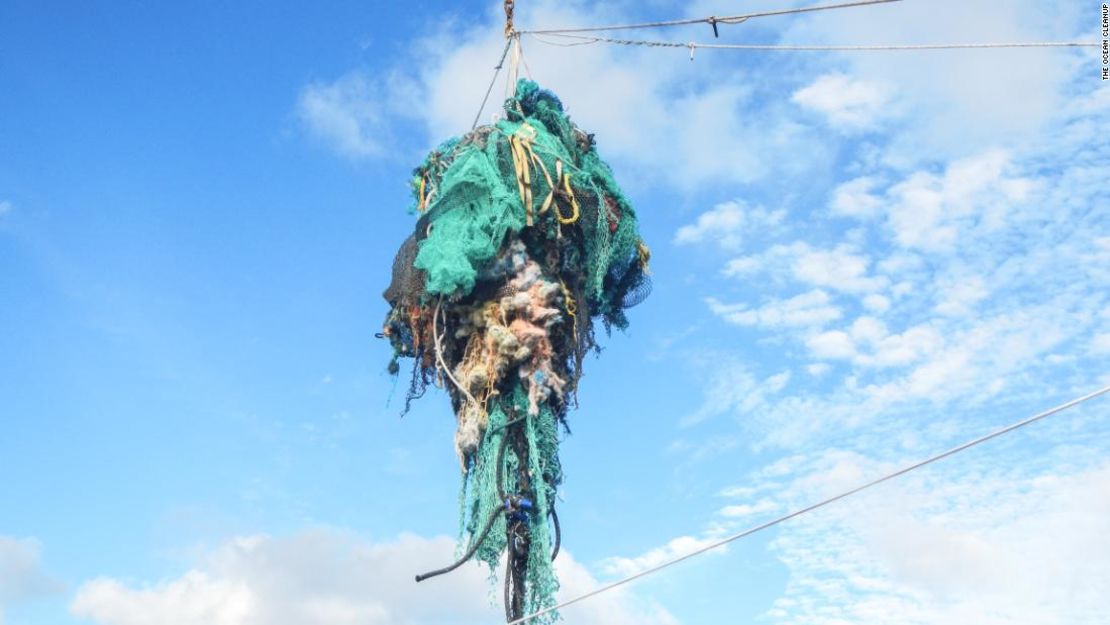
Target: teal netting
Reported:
[(523, 240)]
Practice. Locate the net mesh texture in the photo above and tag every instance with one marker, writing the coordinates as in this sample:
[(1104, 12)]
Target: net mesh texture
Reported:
[(523, 240)]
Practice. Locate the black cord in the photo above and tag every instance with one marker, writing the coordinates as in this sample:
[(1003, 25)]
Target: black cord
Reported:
[(558, 533), (492, 517), (516, 567), (469, 552), (509, 613)]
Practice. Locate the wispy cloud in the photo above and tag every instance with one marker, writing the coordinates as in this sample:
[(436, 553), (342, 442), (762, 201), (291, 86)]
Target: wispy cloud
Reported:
[(663, 119), (848, 104), (333, 577), (677, 547), (967, 546), (812, 308), (354, 114), (728, 224), (346, 113), (951, 260), (22, 574)]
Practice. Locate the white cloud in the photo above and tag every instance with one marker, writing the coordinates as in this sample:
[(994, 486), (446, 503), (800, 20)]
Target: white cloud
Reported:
[(727, 224), (966, 98), (733, 389), (741, 265), (842, 268), (981, 233), (848, 103), (931, 212), (832, 344), (327, 577), (22, 576), (663, 119), (884, 350), (868, 343), (855, 198), (813, 308), (194, 598), (972, 360), (352, 114), (876, 303), (5, 207), (972, 546), (818, 369), (677, 547), (960, 296), (1101, 343), (738, 511)]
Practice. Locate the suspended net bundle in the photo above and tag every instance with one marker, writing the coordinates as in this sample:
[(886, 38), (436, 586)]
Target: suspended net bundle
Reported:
[(523, 240)]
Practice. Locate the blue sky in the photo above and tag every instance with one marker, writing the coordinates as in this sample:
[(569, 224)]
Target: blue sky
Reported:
[(859, 260)]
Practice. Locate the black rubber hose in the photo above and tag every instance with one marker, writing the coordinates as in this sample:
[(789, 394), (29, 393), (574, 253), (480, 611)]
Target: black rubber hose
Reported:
[(492, 517), (515, 567), (469, 552), (558, 534)]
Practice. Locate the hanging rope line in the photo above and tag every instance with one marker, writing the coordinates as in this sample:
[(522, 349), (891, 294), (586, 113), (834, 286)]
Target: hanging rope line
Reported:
[(580, 40), (825, 502), (712, 20), (489, 90)]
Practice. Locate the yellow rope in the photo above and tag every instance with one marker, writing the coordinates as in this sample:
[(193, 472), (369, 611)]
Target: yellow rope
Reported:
[(572, 308), (520, 146), (524, 157), (523, 178), (573, 204), (644, 253), (547, 176)]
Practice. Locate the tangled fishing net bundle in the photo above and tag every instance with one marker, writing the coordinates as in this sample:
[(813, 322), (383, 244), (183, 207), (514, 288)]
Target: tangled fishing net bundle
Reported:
[(523, 240)]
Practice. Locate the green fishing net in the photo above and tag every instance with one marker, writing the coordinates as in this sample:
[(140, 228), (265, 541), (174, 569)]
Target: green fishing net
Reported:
[(523, 240)]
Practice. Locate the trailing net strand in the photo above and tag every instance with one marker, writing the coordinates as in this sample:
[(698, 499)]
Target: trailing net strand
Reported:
[(820, 504), (523, 241)]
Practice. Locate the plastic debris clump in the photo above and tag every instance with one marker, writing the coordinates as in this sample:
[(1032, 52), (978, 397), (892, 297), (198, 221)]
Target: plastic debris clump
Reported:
[(523, 241)]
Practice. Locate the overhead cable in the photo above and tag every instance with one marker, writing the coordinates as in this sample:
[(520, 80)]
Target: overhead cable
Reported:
[(822, 503), (693, 45), (730, 19)]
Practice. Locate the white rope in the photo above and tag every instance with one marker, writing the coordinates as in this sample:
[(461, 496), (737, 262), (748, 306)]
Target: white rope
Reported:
[(439, 354), (692, 45), (524, 60), (731, 19), (514, 66), (750, 531)]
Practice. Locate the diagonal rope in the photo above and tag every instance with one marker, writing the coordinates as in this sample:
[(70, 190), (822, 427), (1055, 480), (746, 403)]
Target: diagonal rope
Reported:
[(496, 72), (757, 528), (731, 19), (692, 45)]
